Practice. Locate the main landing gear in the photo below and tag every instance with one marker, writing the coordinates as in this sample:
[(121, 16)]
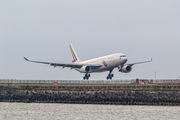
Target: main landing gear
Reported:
[(110, 76), (86, 76)]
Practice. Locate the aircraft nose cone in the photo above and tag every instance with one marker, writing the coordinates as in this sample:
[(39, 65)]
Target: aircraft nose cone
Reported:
[(125, 60)]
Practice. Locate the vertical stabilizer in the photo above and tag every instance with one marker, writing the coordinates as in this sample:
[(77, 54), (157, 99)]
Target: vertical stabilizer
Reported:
[(75, 58)]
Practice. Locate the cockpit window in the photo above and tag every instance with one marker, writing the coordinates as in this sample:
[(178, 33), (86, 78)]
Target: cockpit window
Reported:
[(123, 56)]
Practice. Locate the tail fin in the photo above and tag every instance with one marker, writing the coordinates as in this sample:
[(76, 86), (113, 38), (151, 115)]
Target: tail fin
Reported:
[(75, 58)]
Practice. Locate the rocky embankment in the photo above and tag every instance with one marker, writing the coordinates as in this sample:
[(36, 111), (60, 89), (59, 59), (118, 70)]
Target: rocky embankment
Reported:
[(116, 97)]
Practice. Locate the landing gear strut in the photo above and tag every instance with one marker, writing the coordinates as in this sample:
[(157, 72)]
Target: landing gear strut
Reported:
[(86, 76), (110, 76)]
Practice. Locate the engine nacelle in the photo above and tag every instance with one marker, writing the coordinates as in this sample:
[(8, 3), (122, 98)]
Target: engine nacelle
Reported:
[(125, 69), (85, 69)]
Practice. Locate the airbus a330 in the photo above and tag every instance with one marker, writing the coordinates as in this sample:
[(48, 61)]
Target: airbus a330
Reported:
[(101, 64)]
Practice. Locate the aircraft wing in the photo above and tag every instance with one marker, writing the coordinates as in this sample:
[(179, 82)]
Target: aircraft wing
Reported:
[(74, 65), (140, 62)]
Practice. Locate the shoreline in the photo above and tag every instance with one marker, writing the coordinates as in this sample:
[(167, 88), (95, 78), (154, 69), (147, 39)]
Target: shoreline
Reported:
[(80, 95), (91, 104)]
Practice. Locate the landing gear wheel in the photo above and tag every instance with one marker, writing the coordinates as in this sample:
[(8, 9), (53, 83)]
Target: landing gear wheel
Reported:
[(86, 76), (112, 75), (109, 76)]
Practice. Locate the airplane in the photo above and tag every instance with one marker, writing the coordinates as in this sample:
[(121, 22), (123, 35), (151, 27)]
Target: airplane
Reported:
[(101, 64)]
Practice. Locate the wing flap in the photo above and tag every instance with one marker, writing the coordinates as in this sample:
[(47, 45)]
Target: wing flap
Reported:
[(67, 65)]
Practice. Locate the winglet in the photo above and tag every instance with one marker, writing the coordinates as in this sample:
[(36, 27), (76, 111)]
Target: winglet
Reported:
[(26, 59), (151, 59)]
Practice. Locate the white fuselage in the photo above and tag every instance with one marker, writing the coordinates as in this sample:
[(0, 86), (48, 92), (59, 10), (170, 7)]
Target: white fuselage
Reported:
[(107, 62)]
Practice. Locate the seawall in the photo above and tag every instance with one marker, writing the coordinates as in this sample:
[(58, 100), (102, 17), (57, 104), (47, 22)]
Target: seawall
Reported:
[(117, 95)]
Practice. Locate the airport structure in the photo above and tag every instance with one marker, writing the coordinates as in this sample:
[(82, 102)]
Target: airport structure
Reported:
[(117, 92)]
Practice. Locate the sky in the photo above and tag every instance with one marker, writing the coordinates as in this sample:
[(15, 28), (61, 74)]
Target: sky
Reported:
[(43, 29)]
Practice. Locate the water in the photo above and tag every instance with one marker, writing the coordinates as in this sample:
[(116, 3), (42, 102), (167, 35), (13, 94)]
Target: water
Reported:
[(41, 111)]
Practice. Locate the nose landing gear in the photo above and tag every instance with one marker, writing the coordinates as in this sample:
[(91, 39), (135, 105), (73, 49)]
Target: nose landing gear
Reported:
[(87, 76), (110, 76)]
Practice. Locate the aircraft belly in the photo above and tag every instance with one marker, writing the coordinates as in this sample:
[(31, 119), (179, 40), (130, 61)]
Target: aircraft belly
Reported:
[(100, 70)]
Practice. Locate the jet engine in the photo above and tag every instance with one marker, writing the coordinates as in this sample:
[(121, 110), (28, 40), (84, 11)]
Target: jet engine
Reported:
[(85, 69), (125, 69)]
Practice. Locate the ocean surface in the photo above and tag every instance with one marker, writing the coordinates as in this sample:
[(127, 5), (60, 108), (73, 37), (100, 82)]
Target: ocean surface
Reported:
[(41, 111)]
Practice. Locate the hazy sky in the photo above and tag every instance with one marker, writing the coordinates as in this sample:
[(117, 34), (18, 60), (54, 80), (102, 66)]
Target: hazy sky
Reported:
[(43, 29)]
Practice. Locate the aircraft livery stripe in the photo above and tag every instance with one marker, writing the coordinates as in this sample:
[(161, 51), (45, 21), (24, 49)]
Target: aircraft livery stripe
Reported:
[(104, 63), (73, 55)]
